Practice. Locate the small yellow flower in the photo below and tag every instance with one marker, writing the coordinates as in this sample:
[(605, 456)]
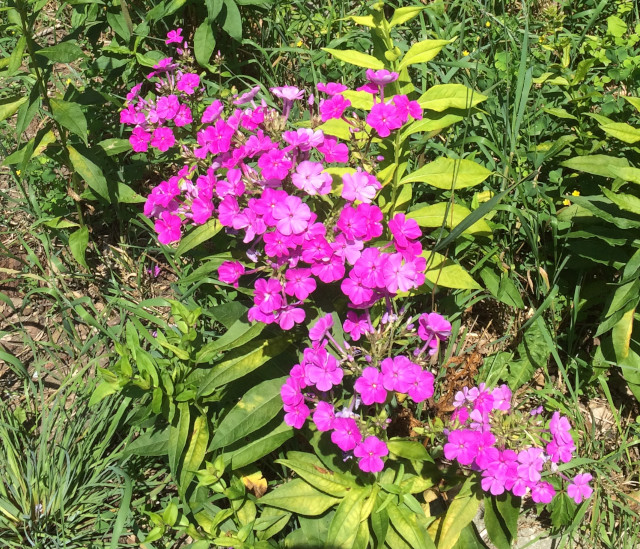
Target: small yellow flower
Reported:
[(566, 202), (299, 43), (575, 193), (465, 53), (68, 81), (18, 172), (487, 24)]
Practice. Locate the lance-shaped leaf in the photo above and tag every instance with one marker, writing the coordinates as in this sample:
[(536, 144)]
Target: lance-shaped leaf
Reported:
[(299, 497), (448, 174), (450, 96), (70, 116), (357, 58), (422, 52)]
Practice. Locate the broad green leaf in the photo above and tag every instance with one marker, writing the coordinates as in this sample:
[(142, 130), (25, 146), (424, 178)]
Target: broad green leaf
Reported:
[(356, 58), (508, 506), (70, 116), (15, 60), (422, 52), (533, 353), (256, 408), (195, 453), (431, 122), (625, 172), (336, 127), (299, 497), (239, 334), (90, 172), (559, 113), (119, 25), (64, 52), (127, 195), (562, 509), (103, 390), (409, 449), (616, 26), (115, 145), (178, 437), (233, 21), (346, 520), (364, 20), (498, 532), (445, 272), (447, 173), (359, 99), (204, 43), (59, 223), (596, 164), (198, 235), (622, 131), (150, 443), (332, 483), (626, 202), (240, 362), (635, 101), (470, 538), (406, 523), (460, 513), (447, 215), (258, 447), (621, 335), (78, 242), (450, 96), (8, 107), (402, 15)]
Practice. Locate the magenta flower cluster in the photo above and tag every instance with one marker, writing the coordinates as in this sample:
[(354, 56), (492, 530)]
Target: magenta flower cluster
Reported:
[(269, 185), (512, 450), (330, 372)]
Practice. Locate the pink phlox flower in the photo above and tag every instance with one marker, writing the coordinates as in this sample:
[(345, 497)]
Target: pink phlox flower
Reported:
[(257, 144), (398, 373), (265, 205), (531, 462), (487, 452), (133, 92), (371, 386), (435, 325), (407, 108), (422, 387), (331, 88), (355, 289), (369, 88), (359, 186), (333, 107), (174, 36), (324, 416), (230, 272), (254, 314), (579, 488), (316, 249), (399, 275), (129, 115), (348, 250), (502, 398), (356, 325), (560, 451), (140, 139), (219, 137), (311, 178), (559, 427), (163, 139), (384, 118), (299, 374), (299, 283), (346, 434), (246, 96), (404, 230), (292, 216), (321, 327), (542, 492), (484, 402), (251, 222), (276, 244), (212, 112), (333, 151), (161, 195), (460, 415), (288, 93), (201, 210), (205, 185), (168, 228), (381, 77), (228, 210), (462, 445), (275, 164), (167, 107), (370, 267), (232, 185), (188, 82), (479, 421), (372, 216), (291, 392), (493, 481), (287, 317), (183, 116), (324, 372), (304, 139), (164, 64), (295, 416), (268, 295), (353, 226), (329, 270), (370, 452)]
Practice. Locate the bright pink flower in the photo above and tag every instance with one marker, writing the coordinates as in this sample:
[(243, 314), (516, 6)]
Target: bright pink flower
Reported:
[(296, 415), (372, 216), (292, 216), (174, 36), (346, 434), (167, 107), (347, 250), (230, 272), (353, 226), (228, 210), (399, 275), (246, 96), (371, 386), (168, 228), (331, 88), (487, 453), (212, 112), (188, 83), (183, 117), (381, 77), (502, 398), (321, 327), (579, 488), (493, 481), (289, 316), (139, 139), (299, 283), (268, 295), (291, 392), (359, 186), (333, 107), (462, 445), (355, 289), (163, 139), (370, 451), (275, 164), (311, 178), (324, 416), (398, 373), (324, 370), (403, 229), (357, 325), (407, 108), (288, 93), (531, 463), (422, 387), (435, 325), (201, 210), (369, 267), (334, 151), (384, 118), (542, 492), (559, 427)]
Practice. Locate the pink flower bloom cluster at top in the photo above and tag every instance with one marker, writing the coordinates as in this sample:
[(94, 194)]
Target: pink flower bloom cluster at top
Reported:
[(260, 181), (320, 376), (492, 438)]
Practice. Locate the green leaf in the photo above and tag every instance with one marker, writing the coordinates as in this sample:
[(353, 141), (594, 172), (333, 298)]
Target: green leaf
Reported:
[(233, 21), (151, 443), (508, 506), (498, 532), (621, 335), (178, 437), (239, 363), (239, 334), (422, 52), (460, 513), (402, 15), (562, 510), (357, 58), (445, 272), (204, 43), (431, 122), (559, 113), (90, 172), (626, 202), (103, 390), (256, 408), (622, 131), (448, 215), (64, 52), (198, 236), (15, 60), (450, 96), (70, 116), (449, 174), (8, 107), (409, 449), (194, 456), (115, 146), (213, 8), (346, 520), (320, 478), (405, 522), (299, 497), (336, 127), (118, 23), (78, 242), (625, 172), (258, 447), (635, 101), (359, 99), (596, 164), (616, 26)]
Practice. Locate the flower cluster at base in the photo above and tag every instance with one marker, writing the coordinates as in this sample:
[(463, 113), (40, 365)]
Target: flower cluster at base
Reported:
[(512, 449), (366, 377), (299, 199)]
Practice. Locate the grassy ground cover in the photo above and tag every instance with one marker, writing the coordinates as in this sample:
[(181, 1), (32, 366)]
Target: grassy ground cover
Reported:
[(142, 383)]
